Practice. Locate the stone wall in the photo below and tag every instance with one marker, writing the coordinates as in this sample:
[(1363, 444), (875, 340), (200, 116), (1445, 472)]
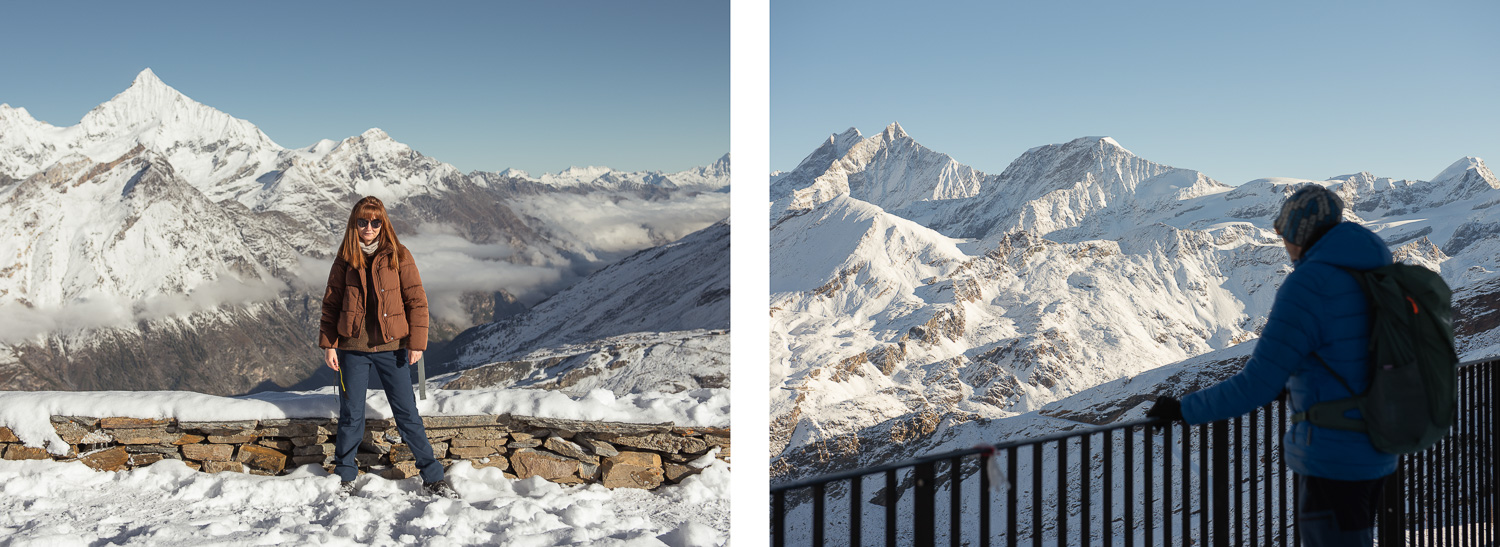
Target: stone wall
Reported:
[(562, 451)]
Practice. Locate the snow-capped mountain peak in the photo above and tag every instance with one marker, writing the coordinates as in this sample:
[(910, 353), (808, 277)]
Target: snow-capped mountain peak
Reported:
[(1097, 160), (894, 131), (719, 166), (146, 77), (713, 176), (512, 172), (320, 148), (373, 141), (146, 82), (16, 114), (890, 170), (375, 134), (1469, 170), (24, 146), (833, 148), (155, 114), (575, 176)]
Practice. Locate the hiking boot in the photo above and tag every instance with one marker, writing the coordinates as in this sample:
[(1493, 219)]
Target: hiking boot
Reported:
[(440, 488), (346, 488)]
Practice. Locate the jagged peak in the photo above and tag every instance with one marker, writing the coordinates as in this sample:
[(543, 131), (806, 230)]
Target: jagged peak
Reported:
[(1459, 169), (1106, 145), (840, 143), (1421, 250), (148, 88), (830, 150), (1362, 175), (149, 100), (894, 131), (18, 115), (374, 140), (718, 167)]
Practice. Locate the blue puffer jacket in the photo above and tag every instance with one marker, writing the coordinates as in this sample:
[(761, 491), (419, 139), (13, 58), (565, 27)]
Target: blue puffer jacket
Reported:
[(1321, 309)]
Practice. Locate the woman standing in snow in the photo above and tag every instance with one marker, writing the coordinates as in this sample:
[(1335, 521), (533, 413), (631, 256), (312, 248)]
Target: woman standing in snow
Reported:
[(375, 317)]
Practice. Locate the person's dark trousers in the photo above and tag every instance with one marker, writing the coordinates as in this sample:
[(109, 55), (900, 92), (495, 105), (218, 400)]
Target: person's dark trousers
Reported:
[(354, 380), (1334, 513)]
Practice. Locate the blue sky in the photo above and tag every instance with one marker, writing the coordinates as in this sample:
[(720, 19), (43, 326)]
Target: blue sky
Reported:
[(538, 86), (1236, 90)]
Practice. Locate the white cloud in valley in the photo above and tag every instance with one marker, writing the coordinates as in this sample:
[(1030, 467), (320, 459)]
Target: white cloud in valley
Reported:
[(607, 226)]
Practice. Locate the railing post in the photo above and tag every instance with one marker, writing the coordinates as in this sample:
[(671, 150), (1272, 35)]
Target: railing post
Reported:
[(819, 493), (778, 519), (1392, 529), (891, 497), (855, 506), (924, 525), (1220, 473)]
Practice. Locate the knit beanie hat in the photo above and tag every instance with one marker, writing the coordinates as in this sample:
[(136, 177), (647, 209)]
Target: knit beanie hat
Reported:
[(1308, 214)]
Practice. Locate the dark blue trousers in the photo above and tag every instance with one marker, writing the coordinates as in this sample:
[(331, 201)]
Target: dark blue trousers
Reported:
[(354, 381), (1333, 513)]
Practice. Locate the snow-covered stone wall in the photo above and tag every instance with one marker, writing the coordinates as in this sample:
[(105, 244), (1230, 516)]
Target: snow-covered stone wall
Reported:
[(613, 454)]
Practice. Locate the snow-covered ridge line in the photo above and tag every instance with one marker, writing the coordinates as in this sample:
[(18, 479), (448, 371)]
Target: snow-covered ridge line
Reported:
[(155, 113), (29, 414)]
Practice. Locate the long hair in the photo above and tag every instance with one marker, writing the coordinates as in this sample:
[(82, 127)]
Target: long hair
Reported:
[(370, 207)]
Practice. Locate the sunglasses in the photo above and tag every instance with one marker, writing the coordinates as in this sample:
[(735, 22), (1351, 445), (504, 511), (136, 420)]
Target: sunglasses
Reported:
[(373, 223)]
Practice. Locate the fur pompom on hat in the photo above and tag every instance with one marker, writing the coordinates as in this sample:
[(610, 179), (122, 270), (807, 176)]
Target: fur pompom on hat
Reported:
[(1308, 214)]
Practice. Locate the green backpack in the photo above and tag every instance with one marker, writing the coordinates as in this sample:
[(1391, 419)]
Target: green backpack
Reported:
[(1412, 399)]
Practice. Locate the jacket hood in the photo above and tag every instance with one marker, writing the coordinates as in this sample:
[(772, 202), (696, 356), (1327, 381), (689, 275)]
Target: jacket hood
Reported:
[(1349, 245)]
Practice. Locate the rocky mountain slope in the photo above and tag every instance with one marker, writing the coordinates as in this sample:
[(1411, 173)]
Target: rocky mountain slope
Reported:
[(163, 244), (910, 291), (657, 320)]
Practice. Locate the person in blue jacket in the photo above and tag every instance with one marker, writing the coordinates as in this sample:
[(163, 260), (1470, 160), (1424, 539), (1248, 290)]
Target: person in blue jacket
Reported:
[(1319, 313)]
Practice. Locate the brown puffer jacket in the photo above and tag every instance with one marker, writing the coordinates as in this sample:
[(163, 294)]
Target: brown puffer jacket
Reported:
[(403, 314)]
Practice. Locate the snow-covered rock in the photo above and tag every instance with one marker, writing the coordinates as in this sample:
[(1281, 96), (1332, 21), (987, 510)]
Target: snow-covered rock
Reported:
[(666, 290)]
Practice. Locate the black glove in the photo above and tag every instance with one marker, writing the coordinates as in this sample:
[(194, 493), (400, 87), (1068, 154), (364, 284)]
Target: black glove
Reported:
[(1166, 408)]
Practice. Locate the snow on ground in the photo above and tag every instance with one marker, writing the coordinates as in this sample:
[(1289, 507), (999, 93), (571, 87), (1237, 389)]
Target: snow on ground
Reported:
[(51, 503), (64, 504), (28, 413)]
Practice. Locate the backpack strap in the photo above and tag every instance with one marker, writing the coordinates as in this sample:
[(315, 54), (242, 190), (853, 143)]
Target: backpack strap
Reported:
[(1336, 375), (1330, 414)]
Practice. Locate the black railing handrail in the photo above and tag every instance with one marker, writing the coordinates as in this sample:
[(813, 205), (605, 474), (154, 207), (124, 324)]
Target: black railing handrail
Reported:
[(944, 456), (856, 473)]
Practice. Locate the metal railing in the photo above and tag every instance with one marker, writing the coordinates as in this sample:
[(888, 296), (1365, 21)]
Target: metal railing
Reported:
[(1142, 483)]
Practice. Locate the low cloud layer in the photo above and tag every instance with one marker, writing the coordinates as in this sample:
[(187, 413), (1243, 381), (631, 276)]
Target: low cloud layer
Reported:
[(451, 266), (603, 225), (19, 323), (207, 296), (599, 228)]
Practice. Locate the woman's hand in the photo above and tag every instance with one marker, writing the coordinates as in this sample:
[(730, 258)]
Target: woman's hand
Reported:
[(331, 358), (413, 356)]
